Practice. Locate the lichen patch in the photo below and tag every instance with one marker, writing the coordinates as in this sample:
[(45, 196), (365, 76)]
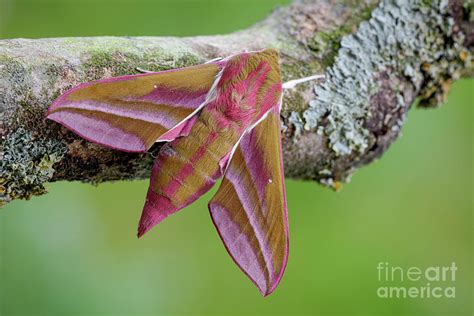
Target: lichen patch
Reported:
[(411, 39)]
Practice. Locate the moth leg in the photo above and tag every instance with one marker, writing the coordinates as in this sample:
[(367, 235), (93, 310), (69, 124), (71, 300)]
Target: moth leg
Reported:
[(292, 83)]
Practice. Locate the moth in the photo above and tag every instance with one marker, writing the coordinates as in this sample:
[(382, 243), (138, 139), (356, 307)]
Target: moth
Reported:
[(218, 119)]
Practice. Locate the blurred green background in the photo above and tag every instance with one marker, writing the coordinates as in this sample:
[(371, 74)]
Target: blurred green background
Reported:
[(74, 251)]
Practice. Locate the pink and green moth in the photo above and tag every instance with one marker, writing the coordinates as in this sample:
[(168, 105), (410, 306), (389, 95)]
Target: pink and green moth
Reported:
[(218, 119)]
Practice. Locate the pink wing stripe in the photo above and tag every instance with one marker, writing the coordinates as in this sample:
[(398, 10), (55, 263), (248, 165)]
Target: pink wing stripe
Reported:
[(256, 166), (239, 246), (135, 112), (163, 95), (89, 128), (182, 129)]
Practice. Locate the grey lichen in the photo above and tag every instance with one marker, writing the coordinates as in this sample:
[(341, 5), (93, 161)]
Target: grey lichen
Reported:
[(26, 164), (411, 39)]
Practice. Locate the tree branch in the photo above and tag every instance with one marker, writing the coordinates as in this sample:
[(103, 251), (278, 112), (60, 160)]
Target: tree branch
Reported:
[(378, 57)]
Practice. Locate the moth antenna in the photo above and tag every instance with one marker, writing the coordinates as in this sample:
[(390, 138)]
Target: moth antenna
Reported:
[(292, 83), (144, 70), (214, 59)]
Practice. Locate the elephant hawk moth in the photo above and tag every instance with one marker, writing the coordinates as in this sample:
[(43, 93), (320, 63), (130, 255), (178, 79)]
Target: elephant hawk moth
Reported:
[(217, 120)]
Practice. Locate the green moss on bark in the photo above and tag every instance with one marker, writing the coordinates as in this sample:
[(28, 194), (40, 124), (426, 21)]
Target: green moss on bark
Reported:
[(103, 63), (26, 164), (326, 44)]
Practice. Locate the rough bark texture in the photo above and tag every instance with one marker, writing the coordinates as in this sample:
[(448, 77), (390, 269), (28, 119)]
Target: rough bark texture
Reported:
[(377, 57)]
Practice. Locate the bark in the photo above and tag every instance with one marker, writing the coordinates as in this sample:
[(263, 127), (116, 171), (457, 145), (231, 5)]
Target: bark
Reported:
[(377, 57)]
